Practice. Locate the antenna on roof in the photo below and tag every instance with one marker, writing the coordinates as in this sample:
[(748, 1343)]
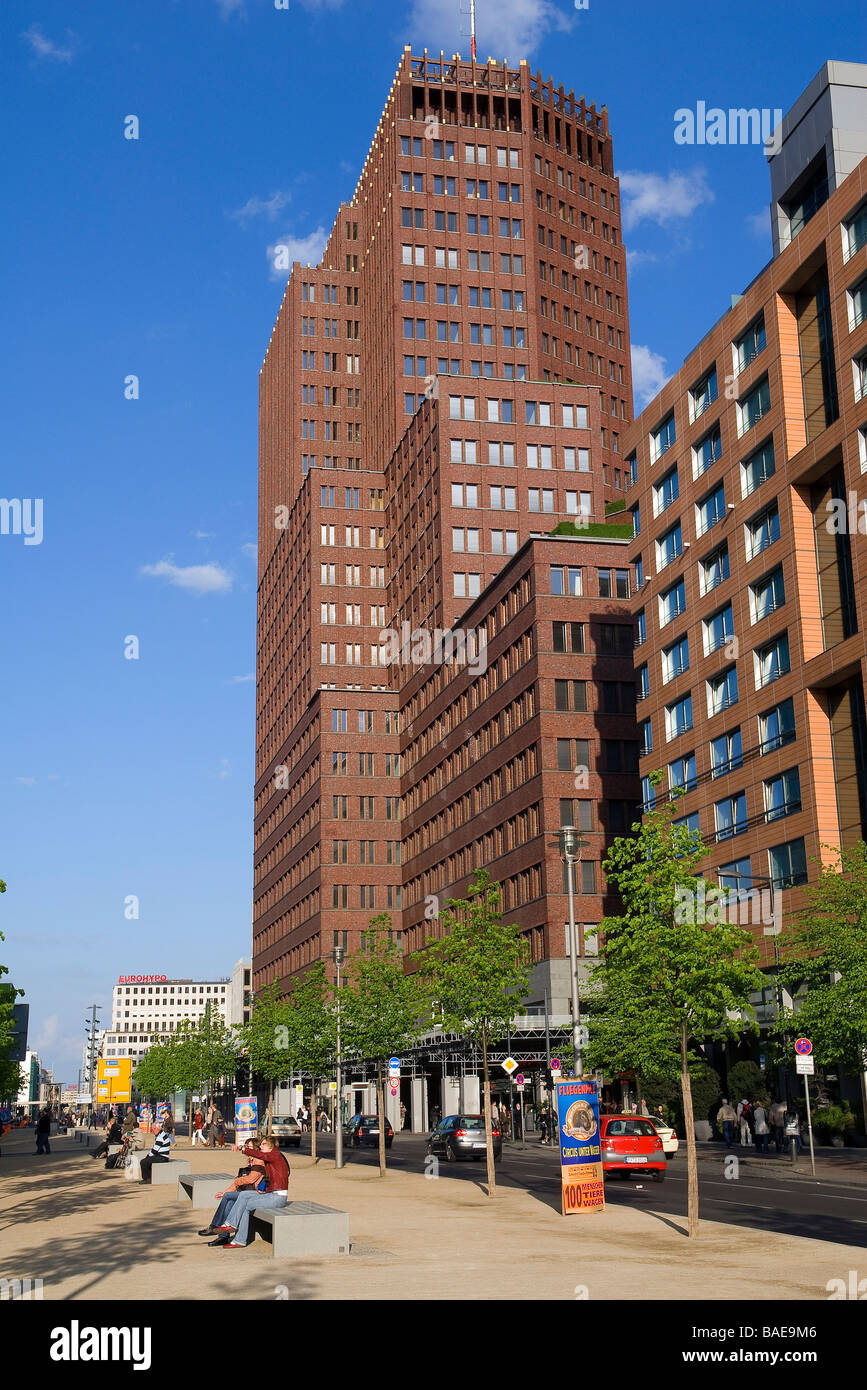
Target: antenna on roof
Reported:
[(472, 14)]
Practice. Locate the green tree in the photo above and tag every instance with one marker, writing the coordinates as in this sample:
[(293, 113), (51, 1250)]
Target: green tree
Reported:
[(746, 1081), (382, 1009), (823, 955), (267, 1039), (478, 974), (312, 1036), (156, 1074), (11, 1080), (203, 1051), (667, 978)]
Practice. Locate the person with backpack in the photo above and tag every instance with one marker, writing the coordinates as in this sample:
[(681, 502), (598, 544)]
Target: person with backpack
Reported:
[(745, 1114), (43, 1131)]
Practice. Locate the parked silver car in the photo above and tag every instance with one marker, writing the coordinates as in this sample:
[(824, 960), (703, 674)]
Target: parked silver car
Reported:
[(286, 1131)]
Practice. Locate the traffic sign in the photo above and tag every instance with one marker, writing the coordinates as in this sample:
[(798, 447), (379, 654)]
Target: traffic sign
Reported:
[(555, 1063), (519, 1080), (803, 1047), (394, 1064), (332, 1086), (556, 1074), (805, 1066), (510, 1065)]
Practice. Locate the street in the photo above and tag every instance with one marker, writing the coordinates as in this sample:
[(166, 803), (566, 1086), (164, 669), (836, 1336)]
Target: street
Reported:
[(758, 1198)]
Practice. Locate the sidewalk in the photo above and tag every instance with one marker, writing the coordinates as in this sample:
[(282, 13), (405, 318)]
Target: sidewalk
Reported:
[(847, 1166), (89, 1234)]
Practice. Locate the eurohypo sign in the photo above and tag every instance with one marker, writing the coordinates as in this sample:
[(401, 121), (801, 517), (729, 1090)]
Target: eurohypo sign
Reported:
[(577, 1104), (141, 979)]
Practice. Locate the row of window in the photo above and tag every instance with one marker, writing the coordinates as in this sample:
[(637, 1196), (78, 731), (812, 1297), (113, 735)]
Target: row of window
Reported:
[(446, 258), (343, 764), (366, 895), (367, 808), (329, 362), (760, 531), (569, 579), (328, 613), (418, 147), (755, 470), (375, 541), (502, 410), (343, 721), (352, 575), (367, 851), (781, 793), (352, 498), (751, 407), (776, 725), (478, 297), (766, 596), (446, 186), (505, 498)]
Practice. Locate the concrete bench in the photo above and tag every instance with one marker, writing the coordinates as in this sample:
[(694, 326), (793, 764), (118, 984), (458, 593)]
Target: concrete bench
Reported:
[(83, 1136), (164, 1174), (302, 1228), (202, 1188)]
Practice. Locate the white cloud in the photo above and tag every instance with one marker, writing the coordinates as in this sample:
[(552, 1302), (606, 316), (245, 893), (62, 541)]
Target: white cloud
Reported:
[(261, 207), (307, 250), (43, 47), (759, 223), (504, 28), (26, 781), (48, 1033), (634, 259), (204, 535), (662, 198), (649, 373), (229, 7), (224, 769), (198, 579), (251, 550), (242, 680)]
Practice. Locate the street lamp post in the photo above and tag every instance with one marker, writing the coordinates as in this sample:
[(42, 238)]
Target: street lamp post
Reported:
[(570, 845), (337, 956)]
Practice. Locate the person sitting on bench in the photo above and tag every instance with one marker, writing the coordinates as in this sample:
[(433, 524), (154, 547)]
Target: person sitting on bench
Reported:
[(233, 1236), (113, 1135), (160, 1152)]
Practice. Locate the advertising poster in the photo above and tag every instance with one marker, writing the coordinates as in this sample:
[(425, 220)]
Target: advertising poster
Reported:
[(144, 1118), (580, 1148), (246, 1119)]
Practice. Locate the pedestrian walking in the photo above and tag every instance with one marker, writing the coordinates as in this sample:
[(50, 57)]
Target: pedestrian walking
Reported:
[(778, 1124), (231, 1221), (745, 1112), (402, 1114), (198, 1127), (761, 1128), (43, 1131), (543, 1125), (725, 1118), (214, 1120)]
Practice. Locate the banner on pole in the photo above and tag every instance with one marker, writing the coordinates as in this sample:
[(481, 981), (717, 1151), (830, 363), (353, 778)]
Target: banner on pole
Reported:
[(577, 1105)]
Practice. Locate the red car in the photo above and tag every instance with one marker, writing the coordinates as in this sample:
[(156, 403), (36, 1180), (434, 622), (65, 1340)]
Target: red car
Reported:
[(630, 1144)]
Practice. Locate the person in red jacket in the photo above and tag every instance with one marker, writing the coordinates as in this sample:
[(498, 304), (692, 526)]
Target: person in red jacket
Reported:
[(232, 1235)]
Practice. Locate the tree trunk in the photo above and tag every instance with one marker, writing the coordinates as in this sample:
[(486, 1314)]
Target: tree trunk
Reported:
[(691, 1160), (489, 1139), (380, 1110), (312, 1118)]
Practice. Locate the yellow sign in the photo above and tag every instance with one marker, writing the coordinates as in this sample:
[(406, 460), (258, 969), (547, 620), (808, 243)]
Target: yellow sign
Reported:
[(114, 1079)]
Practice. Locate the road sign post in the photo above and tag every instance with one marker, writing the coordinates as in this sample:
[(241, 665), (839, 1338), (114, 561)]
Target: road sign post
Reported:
[(805, 1067)]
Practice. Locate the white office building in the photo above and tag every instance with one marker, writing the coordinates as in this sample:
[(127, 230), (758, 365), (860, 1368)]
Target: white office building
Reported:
[(146, 1009)]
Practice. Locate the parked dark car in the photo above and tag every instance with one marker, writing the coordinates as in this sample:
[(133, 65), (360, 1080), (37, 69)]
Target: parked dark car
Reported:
[(462, 1136), (362, 1131)]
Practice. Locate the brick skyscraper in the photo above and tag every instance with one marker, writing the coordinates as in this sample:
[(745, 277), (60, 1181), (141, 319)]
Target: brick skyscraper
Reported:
[(449, 384)]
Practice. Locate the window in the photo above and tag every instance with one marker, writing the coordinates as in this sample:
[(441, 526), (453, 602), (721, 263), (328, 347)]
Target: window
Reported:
[(748, 346), (643, 682), (726, 753), (856, 302), (645, 729), (690, 823), (767, 595), (855, 232), (681, 773), (565, 579), (722, 691), (640, 627), (578, 503), (678, 718), (703, 394), (615, 639), (756, 469), (754, 406), (669, 547), (541, 501), (787, 864), (568, 637), (662, 438), (718, 629), (575, 417), (736, 877), (776, 726), (539, 456), (859, 375), (730, 816), (675, 660), (706, 452), (782, 794), (771, 660), (571, 695), (665, 492), (648, 794), (710, 510), (762, 531), (537, 413), (713, 569), (672, 602)]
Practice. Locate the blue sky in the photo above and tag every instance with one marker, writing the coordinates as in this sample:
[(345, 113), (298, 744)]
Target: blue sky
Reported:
[(149, 257)]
